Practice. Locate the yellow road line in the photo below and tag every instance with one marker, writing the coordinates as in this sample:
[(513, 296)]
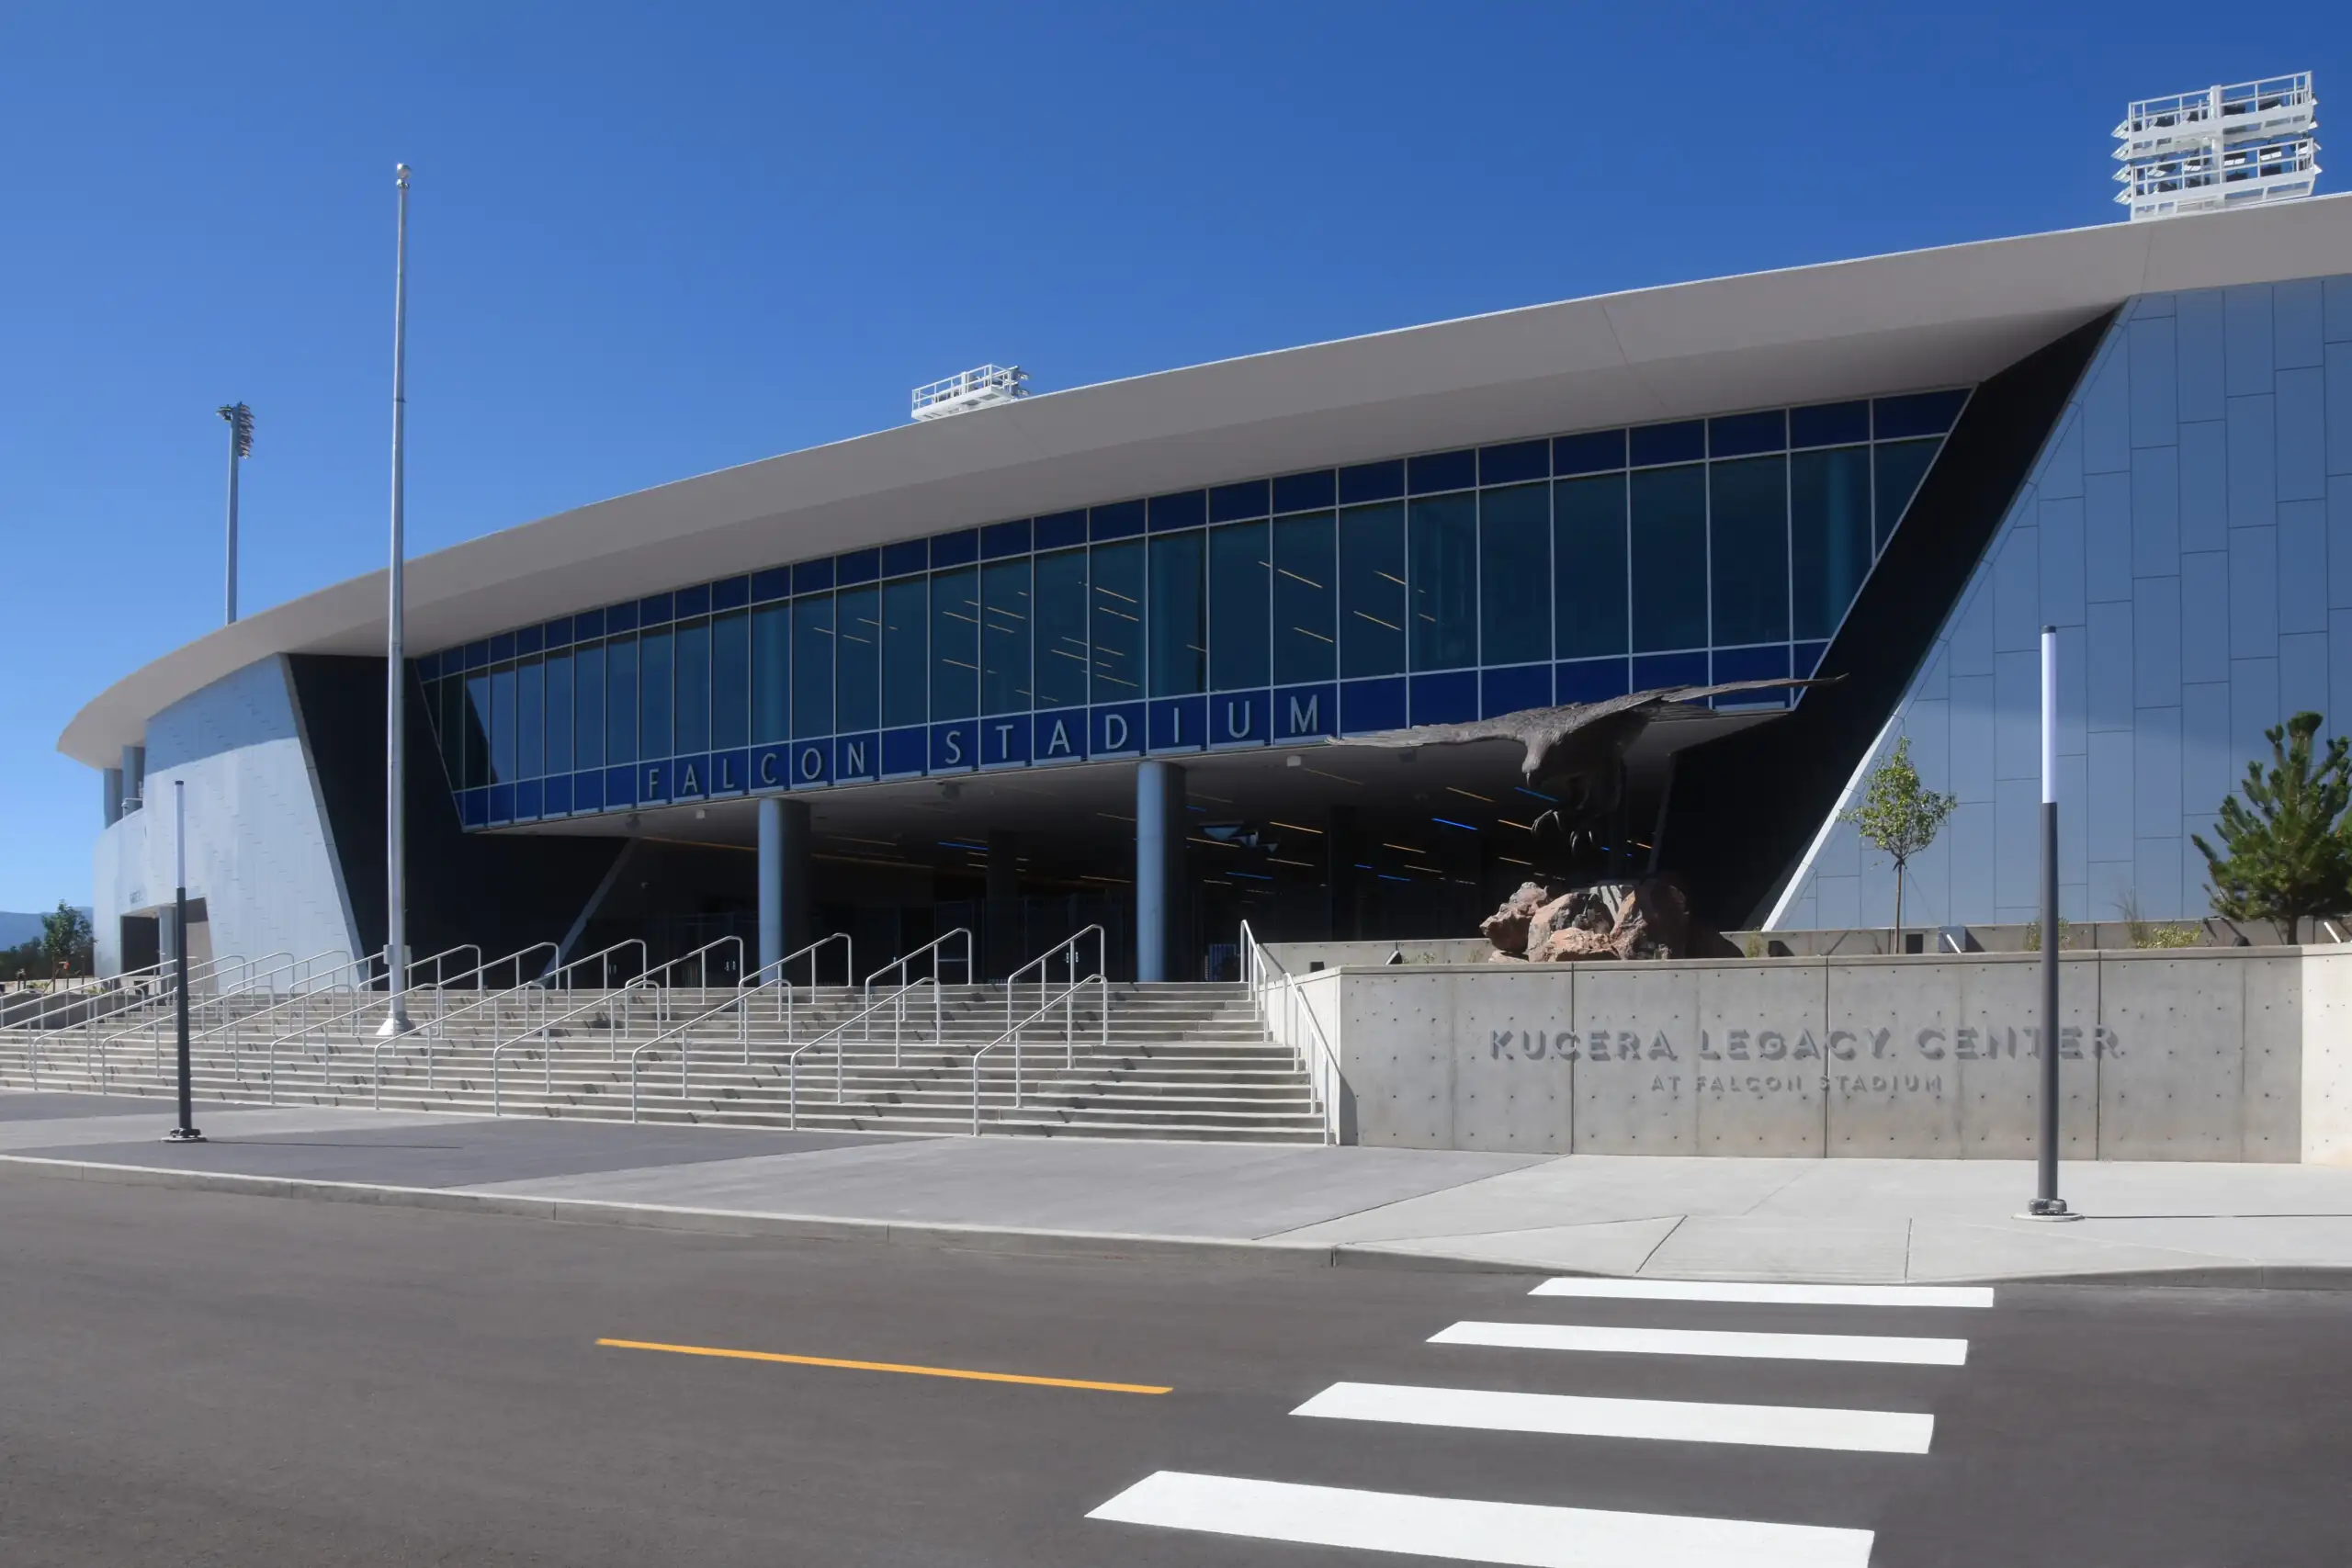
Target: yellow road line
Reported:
[(881, 1367)]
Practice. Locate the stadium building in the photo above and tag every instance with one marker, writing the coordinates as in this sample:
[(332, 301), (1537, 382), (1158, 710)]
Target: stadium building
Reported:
[(1099, 656)]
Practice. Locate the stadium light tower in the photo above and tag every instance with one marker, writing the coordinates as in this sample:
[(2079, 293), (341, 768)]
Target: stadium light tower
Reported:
[(2245, 145), (240, 446)]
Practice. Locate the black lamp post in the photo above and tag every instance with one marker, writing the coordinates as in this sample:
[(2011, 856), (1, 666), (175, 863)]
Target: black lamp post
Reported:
[(185, 1131)]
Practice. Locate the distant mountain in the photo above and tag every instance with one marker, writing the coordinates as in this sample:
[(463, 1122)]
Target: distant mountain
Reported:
[(18, 930)]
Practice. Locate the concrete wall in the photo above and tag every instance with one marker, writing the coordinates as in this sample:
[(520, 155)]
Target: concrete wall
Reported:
[(2214, 1055), (258, 851)]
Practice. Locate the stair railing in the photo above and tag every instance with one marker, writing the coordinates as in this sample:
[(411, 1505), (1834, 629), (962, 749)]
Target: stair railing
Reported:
[(1068, 951), (683, 1034), (1011, 1036), (615, 1004), (937, 949), (785, 1014), (349, 978), (1262, 972), (838, 1037)]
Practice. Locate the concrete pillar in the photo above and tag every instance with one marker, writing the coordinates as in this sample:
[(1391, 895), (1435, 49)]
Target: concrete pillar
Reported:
[(111, 791), (1159, 854), (785, 872), (134, 775), (1005, 944)]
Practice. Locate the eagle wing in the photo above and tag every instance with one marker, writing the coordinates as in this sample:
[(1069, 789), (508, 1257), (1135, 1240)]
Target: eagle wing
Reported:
[(1543, 730)]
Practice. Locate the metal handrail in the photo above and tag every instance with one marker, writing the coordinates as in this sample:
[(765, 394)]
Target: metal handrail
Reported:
[(1256, 962), (683, 1034), (604, 998), (89, 988), (1069, 945), (434, 959), (235, 1024), (700, 956), (785, 1006), (1068, 1002), (931, 946), (839, 1035)]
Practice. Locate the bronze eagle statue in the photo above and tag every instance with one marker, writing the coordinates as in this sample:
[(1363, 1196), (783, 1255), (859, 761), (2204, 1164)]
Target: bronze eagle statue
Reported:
[(1575, 752)]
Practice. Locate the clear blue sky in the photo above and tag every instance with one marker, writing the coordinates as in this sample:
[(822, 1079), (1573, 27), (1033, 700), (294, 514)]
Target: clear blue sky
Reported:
[(653, 240)]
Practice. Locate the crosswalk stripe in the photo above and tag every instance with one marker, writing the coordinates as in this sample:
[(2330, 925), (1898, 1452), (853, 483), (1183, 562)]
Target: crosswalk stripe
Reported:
[(1768, 1425), (1526, 1534), (1743, 1291), (1707, 1342)]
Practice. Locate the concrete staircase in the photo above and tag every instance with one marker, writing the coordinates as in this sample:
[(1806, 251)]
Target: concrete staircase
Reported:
[(1178, 1060)]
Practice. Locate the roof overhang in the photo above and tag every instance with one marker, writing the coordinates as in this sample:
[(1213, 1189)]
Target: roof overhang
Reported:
[(1805, 334)]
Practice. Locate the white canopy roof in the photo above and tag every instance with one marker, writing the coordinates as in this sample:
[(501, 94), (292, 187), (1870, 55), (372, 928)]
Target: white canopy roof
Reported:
[(1805, 334)]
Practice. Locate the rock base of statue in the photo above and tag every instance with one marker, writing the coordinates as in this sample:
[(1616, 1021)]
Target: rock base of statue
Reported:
[(1546, 922)]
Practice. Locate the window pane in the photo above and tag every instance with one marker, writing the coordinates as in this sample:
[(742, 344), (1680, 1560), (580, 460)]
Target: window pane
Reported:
[(1178, 624), (530, 706), (1669, 528), (477, 729), (812, 666), (1372, 590), (501, 726), (1306, 599), (857, 647), (694, 686), (1901, 465), (559, 701), (1829, 534), (1004, 635), (731, 680), (1589, 564), (1061, 629), (654, 732), (955, 644), (904, 605), (1444, 576), (1749, 552), (621, 700), (1239, 606), (1515, 575), (771, 673), (589, 663), (1118, 621)]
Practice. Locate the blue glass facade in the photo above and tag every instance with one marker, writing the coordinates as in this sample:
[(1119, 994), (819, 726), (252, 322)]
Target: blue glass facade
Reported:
[(1423, 590), (2188, 528)]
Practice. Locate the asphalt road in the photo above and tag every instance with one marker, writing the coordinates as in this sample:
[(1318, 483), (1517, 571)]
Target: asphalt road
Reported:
[(201, 1378)]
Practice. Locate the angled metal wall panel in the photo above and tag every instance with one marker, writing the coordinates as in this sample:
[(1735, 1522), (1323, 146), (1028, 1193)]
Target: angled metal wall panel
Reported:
[(2189, 529)]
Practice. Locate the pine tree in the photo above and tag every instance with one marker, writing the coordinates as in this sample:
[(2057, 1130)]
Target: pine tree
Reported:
[(1900, 816), (2283, 854)]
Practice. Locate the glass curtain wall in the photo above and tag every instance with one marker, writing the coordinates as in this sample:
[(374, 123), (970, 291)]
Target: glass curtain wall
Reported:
[(1589, 565)]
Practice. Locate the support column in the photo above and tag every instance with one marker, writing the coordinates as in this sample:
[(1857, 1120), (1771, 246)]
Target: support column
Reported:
[(1004, 904), (110, 792), (785, 872), (134, 775), (1159, 848)]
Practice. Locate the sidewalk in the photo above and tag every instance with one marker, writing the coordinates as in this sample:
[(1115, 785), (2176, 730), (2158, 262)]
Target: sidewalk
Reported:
[(1746, 1219)]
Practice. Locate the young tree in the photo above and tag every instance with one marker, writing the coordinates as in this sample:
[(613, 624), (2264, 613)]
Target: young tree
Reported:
[(65, 936), (2282, 856), (1899, 816)]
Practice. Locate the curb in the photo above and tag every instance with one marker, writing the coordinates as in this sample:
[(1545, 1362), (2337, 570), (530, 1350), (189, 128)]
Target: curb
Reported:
[(1017, 1241), (1003, 1239)]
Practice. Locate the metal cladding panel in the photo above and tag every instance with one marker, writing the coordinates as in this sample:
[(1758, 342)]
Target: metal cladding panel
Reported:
[(2203, 596)]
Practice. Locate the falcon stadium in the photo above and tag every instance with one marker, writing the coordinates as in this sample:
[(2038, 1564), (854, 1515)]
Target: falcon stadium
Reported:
[(1134, 654)]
